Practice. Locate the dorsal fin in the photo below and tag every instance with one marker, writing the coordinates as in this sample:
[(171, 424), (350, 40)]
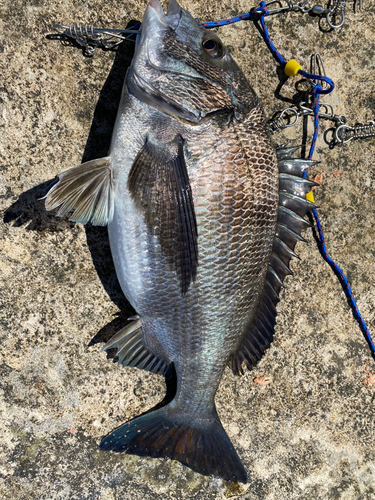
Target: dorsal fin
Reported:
[(292, 207), (159, 185)]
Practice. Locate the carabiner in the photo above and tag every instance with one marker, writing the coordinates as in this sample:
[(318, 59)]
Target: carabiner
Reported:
[(338, 4)]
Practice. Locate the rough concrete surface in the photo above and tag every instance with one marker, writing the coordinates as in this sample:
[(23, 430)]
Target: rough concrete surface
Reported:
[(303, 419)]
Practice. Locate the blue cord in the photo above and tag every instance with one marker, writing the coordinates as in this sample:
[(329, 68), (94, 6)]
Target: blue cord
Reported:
[(262, 12), (216, 24), (317, 90), (345, 283)]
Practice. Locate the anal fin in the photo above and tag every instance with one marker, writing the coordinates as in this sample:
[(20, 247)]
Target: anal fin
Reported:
[(86, 190), (131, 350)]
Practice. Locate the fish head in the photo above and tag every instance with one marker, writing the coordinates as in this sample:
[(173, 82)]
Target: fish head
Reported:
[(184, 70)]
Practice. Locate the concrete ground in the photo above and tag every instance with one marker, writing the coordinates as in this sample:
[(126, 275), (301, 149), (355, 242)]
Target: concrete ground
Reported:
[(303, 420)]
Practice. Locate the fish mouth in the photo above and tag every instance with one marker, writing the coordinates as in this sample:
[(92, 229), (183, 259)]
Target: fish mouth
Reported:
[(155, 23), (154, 12)]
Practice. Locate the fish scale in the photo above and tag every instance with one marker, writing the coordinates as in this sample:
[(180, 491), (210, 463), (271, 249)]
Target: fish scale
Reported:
[(202, 222)]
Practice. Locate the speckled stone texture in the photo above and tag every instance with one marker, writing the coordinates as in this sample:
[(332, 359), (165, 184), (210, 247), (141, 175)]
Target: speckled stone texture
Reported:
[(303, 419)]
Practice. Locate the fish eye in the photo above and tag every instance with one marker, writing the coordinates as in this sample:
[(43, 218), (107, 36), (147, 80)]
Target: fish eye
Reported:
[(213, 47)]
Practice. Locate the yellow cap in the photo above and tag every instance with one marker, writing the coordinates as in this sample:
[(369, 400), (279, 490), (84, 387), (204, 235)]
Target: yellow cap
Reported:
[(310, 197), (291, 68)]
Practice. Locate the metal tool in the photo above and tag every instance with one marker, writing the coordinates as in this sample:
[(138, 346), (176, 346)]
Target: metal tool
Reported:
[(90, 38)]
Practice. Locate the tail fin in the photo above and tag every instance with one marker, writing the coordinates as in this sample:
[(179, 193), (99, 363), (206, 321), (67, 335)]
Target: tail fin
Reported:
[(202, 445)]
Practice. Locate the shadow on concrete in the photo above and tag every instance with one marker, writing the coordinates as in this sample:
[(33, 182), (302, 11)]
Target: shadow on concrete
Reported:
[(29, 208)]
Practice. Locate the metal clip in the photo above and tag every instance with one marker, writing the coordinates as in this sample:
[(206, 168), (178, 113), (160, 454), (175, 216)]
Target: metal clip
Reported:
[(287, 6), (283, 120), (317, 68), (90, 38), (344, 133), (304, 7), (338, 5), (278, 10), (288, 117), (325, 111)]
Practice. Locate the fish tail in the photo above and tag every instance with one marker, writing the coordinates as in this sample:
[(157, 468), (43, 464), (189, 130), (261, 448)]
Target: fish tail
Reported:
[(201, 443)]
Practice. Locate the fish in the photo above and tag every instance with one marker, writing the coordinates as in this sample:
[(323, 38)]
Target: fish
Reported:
[(203, 217)]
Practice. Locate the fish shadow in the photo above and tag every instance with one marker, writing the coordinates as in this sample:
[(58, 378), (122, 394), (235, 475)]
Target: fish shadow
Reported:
[(29, 209)]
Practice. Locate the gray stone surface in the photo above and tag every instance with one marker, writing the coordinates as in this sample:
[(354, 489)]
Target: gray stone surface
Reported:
[(307, 432)]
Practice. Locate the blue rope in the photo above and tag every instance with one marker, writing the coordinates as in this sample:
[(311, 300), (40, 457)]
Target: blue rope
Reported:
[(345, 283), (316, 126), (322, 78), (317, 90), (258, 15), (262, 12), (216, 24)]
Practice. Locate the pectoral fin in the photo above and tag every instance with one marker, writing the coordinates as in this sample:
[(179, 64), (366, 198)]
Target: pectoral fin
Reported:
[(86, 190), (159, 185)]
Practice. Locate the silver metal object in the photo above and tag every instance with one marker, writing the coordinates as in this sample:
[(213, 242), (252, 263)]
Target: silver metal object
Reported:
[(305, 7), (337, 11), (288, 117), (317, 68), (344, 133), (325, 111), (90, 38), (287, 6)]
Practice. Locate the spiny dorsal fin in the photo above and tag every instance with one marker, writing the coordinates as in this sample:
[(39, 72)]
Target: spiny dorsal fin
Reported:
[(285, 152), (131, 350), (159, 185), (292, 207), (86, 190)]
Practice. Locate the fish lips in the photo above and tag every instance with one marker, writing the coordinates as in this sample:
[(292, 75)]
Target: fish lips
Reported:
[(155, 23), (154, 14)]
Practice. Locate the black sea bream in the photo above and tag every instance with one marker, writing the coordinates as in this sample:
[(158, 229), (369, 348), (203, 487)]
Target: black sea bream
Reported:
[(202, 222)]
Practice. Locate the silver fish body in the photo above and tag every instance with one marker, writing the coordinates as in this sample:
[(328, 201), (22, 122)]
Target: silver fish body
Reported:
[(236, 209), (200, 237)]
